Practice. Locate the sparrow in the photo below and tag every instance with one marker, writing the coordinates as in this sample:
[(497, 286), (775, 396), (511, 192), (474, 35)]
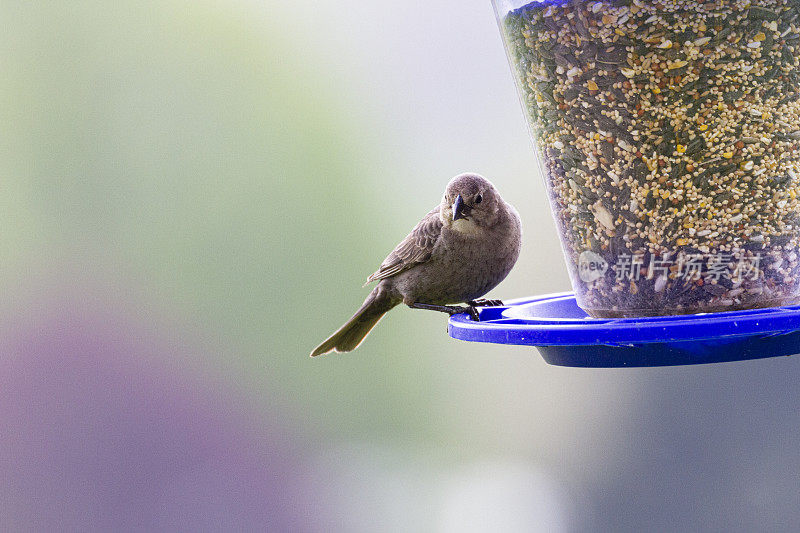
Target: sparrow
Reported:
[(459, 251)]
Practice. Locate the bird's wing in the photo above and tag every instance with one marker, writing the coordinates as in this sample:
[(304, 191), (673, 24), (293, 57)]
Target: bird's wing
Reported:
[(416, 248)]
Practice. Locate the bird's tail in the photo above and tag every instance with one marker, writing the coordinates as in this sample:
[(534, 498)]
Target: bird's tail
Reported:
[(348, 337)]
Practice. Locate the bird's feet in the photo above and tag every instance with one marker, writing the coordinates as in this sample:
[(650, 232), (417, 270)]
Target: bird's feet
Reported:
[(473, 305), (449, 309), (471, 309), (486, 303)]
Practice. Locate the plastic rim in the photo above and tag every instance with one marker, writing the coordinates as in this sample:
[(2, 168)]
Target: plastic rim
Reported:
[(566, 336), (556, 320)]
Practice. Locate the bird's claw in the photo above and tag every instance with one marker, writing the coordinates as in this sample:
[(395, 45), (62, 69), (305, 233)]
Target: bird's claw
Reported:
[(486, 303), (450, 309), (471, 309), (473, 306)]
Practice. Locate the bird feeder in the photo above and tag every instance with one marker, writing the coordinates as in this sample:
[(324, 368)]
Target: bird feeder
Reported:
[(566, 336), (668, 136)]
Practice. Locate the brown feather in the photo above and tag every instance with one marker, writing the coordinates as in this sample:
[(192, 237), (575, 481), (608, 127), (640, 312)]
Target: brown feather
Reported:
[(416, 248)]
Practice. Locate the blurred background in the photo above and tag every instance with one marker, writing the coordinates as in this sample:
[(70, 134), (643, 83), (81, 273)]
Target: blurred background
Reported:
[(192, 195)]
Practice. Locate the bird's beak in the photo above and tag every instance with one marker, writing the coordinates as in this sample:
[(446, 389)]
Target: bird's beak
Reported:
[(459, 208)]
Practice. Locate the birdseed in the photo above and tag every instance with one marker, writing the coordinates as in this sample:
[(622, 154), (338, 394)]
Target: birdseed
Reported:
[(669, 134)]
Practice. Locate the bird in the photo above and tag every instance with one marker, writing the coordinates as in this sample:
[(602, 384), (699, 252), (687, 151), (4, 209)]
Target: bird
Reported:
[(459, 251)]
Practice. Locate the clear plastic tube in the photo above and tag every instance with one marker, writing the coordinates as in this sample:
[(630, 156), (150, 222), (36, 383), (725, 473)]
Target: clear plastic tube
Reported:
[(668, 134)]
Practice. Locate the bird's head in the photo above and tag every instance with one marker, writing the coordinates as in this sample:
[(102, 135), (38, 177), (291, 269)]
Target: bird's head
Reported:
[(470, 202)]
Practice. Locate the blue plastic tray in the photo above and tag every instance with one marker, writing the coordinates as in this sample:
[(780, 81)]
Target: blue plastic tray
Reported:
[(566, 336)]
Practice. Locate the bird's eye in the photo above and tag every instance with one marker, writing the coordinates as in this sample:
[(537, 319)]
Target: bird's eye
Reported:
[(478, 199)]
